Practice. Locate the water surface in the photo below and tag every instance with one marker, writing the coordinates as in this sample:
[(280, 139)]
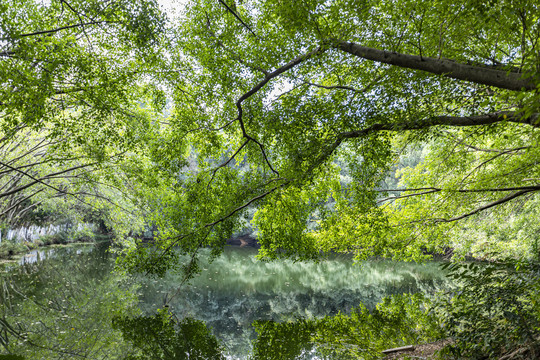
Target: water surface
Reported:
[(229, 295)]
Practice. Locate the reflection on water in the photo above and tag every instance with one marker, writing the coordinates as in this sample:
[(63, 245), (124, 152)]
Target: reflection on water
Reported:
[(35, 256), (61, 308), (43, 254), (235, 290), (232, 293)]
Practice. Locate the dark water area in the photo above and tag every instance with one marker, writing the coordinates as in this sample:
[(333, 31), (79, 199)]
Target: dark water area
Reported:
[(230, 294)]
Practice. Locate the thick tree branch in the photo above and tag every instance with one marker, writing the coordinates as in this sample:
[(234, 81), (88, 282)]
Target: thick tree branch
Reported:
[(455, 70), (454, 121)]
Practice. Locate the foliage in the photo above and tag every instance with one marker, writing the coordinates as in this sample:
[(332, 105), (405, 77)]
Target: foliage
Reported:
[(511, 234), (160, 336), (494, 310), (71, 103), (301, 110), (70, 236), (396, 321), (291, 340), (11, 247), (292, 114), (268, 106)]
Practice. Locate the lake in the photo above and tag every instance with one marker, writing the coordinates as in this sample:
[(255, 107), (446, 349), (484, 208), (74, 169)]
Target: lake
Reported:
[(74, 294)]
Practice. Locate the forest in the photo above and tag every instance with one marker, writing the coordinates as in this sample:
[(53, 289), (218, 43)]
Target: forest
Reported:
[(401, 131)]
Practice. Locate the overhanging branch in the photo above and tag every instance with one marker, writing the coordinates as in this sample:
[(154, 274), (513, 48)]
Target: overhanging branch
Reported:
[(237, 17), (452, 121), (52, 31), (432, 190), (485, 207), (477, 74), (298, 60)]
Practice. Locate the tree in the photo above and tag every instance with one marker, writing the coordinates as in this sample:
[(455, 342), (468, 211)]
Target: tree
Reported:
[(270, 96), (73, 87)]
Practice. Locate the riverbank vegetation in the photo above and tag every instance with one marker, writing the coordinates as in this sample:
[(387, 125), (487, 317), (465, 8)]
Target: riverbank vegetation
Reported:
[(397, 129), (12, 247)]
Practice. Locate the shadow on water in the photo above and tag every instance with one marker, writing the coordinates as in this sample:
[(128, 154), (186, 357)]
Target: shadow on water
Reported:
[(74, 294)]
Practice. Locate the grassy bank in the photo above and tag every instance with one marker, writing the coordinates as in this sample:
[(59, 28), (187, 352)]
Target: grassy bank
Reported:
[(11, 248)]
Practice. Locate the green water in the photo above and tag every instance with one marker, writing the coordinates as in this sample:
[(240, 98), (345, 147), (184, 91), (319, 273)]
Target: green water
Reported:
[(76, 294)]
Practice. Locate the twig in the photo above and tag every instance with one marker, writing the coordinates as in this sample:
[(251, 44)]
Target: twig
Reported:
[(238, 17)]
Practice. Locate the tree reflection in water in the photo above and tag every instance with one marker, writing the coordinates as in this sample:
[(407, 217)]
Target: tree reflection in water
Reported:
[(163, 336), (238, 307)]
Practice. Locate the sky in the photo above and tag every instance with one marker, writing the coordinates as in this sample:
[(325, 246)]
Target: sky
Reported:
[(171, 6)]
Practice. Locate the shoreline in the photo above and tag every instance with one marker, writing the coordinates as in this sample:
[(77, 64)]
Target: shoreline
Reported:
[(14, 255)]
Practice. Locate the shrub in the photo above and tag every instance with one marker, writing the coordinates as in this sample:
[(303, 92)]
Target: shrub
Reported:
[(9, 248), (495, 312), (83, 235)]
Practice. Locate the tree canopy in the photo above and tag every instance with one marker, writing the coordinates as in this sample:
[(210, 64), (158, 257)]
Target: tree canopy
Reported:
[(302, 110), (395, 128), (71, 87), (293, 116)]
